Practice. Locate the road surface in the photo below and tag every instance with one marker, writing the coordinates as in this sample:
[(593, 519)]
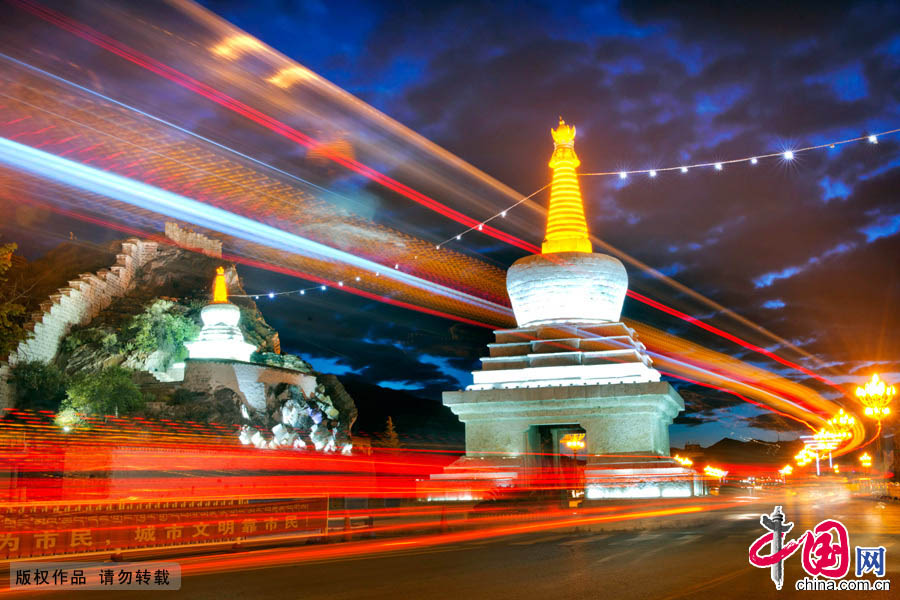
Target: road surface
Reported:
[(708, 560)]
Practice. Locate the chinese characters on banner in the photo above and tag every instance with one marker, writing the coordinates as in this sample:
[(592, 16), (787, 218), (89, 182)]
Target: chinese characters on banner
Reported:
[(35, 531)]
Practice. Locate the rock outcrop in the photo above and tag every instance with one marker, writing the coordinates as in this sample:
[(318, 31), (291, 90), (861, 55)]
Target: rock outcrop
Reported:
[(139, 313)]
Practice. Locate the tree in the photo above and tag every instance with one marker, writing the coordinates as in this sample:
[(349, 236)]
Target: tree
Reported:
[(390, 437), (161, 327), (39, 386), (12, 313), (106, 392)]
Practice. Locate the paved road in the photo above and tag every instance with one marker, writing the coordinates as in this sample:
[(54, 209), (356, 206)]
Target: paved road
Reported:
[(707, 561)]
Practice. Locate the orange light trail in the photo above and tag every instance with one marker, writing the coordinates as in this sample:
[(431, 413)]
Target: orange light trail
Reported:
[(282, 129), (276, 126)]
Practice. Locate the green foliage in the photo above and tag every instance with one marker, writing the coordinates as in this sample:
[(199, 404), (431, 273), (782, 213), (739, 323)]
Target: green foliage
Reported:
[(38, 386), (161, 328), (12, 314), (90, 336), (106, 392)]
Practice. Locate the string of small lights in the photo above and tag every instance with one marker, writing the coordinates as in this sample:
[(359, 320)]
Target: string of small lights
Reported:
[(299, 291), (501, 214), (719, 165)]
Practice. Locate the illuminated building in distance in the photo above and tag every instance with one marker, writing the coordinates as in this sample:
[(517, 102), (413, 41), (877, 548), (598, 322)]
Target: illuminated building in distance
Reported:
[(570, 367)]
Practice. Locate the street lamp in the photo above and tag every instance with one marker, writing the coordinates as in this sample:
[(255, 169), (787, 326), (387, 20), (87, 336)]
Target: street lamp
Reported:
[(865, 460), (714, 472), (787, 470), (803, 457), (574, 442), (683, 460), (876, 396), (841, 424), (823, 440)]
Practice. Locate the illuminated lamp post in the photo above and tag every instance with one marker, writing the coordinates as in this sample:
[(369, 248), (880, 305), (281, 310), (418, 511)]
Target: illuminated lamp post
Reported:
[(714, 472), (574, 442), (787, 470), (866, 461), (876, 396), (840, 426), (823, 441), (683, 460)]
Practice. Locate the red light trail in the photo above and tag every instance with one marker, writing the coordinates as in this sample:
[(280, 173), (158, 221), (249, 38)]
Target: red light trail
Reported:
[(176, 76)]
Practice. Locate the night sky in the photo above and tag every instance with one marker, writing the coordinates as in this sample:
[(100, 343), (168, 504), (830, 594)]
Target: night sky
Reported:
[(807, 249)]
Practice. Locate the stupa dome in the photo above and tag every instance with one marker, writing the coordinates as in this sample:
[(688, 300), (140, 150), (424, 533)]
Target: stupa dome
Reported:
[(225, 313), (567, 287)]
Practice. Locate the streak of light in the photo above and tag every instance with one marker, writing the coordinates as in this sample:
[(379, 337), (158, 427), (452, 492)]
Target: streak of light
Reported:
[(717, 331), (228, 99), (278, 127), (145, 196), (256, 116)]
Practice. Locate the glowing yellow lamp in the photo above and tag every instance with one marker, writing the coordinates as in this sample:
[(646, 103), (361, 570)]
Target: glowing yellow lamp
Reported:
[(220, 291)]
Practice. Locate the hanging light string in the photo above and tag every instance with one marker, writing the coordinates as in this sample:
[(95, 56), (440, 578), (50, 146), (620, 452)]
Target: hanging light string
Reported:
[(300, 291), (501, 214), (718, 165)]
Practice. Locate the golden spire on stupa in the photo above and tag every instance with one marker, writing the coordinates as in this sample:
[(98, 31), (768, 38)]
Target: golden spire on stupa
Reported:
[(566, 226), (220, 290)]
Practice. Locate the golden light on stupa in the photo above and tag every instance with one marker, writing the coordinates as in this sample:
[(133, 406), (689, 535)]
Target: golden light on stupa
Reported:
[(566, 225), (220, 290), (876, 395)]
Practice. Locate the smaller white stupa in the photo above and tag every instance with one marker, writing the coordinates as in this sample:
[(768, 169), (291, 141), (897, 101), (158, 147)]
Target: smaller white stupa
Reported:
[(220, 338)]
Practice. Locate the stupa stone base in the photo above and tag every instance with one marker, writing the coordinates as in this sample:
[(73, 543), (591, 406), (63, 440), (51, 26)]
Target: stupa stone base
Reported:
[(475, 479), (617, 418), (625, 433)]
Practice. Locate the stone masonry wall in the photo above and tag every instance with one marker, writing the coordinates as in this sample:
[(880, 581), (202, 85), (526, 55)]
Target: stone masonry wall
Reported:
[(191, 240), (80, 301)]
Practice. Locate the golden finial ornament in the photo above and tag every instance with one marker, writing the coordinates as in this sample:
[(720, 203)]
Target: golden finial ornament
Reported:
[(220, 290)]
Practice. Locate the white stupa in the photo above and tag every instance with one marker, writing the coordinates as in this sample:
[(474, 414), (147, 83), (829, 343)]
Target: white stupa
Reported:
[(570, 368), (567, 302), (220, 338)]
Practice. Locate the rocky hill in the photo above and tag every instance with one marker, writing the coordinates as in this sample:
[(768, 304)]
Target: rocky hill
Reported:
[(134, 304)]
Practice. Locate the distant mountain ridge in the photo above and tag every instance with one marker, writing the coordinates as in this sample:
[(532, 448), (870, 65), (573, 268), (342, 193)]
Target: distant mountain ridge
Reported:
[(732, 451)]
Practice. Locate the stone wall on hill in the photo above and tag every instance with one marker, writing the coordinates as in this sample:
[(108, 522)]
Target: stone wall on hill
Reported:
[(191, 240), (80, 301)]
